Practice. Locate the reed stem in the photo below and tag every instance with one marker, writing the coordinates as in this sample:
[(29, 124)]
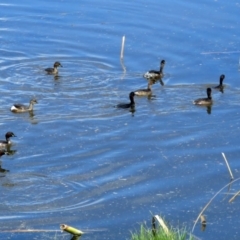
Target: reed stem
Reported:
[(122, 49), (229, 169), (206, 206)]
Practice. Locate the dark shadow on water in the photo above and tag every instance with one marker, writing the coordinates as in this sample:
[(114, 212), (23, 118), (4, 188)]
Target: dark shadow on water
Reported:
[(208, 108), (31, 116), (57, 77), (3, 170), (203, 226), (155, 80), (10, 151), (75, 238), (132, 110)]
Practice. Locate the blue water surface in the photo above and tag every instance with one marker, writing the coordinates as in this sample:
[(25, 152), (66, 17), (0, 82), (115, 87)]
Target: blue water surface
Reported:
[(78, 160)]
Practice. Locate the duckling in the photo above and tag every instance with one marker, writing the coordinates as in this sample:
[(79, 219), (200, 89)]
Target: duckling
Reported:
[(205, 101), (20, 108), (155, 73), (144, 92), (220, 86), (7, 142), (53, 70), (128, 105)]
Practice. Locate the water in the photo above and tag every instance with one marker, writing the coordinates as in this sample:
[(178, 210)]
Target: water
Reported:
[(80, 161)]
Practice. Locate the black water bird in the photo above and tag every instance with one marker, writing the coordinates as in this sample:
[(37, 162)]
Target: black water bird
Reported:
[(205, 101), (220, 86), (128, 105)]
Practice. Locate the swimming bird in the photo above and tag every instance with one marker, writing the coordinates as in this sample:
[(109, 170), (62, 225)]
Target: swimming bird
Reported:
[(205, 101), (20, 108), (53, 70), (155, 74), (7, 142), (144, 92), (128, 105), (220, 86)]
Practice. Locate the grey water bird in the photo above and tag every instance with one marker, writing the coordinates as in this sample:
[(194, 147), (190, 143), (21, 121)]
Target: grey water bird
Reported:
[(20, 108)]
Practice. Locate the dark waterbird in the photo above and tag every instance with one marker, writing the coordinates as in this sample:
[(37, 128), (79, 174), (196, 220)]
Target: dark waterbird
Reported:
[(53, 70), (7, 142), (156, 74), (144, 92), (205, 101), (220, 86), (128, 105)]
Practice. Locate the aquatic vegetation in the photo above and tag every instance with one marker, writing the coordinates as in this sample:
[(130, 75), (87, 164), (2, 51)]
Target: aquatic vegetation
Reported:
[(162, 232)]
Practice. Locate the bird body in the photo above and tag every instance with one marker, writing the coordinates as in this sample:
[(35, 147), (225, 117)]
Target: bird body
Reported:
[(53, 70), (144, 92), (205, 101), (128, 105), (154, 74), (20, 108)]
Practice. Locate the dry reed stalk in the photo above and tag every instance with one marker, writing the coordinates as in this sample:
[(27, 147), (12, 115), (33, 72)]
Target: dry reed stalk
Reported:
[(229, 169), (161, 223), (206, 206), (233, 198), (122, 49)]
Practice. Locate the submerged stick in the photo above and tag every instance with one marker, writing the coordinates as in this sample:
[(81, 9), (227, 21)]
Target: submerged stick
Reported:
[(69, 229), (211, 201), (122, 49), (229, 169)]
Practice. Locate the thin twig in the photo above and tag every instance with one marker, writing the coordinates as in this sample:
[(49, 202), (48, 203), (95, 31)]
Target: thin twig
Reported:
[(210, 202), (235, 195), (229, 169)]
